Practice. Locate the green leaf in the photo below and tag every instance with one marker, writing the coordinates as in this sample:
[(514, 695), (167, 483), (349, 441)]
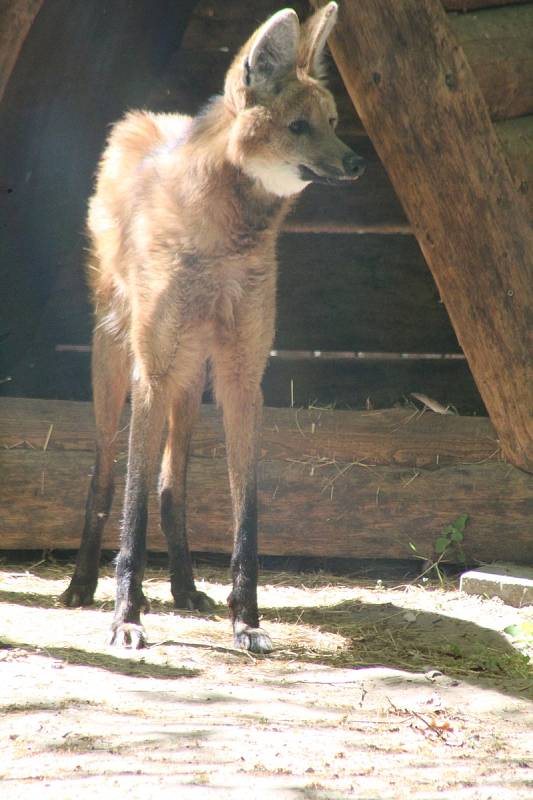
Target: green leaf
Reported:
[(459, 524), (513, 630), (441, 543), (522, 631), (456, 536), (448, 530), (412, 546)]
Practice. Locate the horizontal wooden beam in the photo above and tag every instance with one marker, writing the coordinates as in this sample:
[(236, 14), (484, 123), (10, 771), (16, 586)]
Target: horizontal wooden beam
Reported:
[(294, 225), (332, 484), (396, 436)]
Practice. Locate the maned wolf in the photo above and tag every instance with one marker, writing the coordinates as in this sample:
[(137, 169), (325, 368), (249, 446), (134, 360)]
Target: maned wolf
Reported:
[(183, 227)]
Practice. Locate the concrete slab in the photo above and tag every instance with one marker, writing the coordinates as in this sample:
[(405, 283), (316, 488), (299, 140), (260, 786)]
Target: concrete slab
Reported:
[(512, 583)]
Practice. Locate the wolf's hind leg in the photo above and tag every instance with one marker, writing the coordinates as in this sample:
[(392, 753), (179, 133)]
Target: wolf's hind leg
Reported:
[(172, 490), (110, 377)]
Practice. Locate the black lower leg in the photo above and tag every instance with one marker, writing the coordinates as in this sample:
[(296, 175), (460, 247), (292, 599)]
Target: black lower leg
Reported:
[(243, 598), (131, 560), (173, 525), (145, 437)]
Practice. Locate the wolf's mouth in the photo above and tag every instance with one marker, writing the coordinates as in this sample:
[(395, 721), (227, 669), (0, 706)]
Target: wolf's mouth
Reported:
[(307, 174)]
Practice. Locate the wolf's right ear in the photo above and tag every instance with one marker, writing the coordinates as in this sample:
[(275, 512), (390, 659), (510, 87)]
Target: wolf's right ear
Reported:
[(268, 55)]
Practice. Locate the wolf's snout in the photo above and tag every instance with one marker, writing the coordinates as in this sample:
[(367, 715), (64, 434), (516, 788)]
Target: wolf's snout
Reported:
[(354, 165)]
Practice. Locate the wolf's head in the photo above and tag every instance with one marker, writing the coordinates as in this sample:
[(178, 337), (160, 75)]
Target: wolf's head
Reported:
[(283, 131)]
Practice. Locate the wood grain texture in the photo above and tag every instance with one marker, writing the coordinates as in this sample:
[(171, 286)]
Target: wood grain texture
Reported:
[(362, 513), (516, 136), (319, 494), (498, 45), (445, 161), (16, 18), (391, 436)]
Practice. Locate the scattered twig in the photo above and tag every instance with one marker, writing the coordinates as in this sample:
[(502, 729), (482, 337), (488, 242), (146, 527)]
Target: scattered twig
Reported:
[(433, 405), (411, 479), (483, 460), (298, 424), (47, 440), (416, 413), (205, 646)]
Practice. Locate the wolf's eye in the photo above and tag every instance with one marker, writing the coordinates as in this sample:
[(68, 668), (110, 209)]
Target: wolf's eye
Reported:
[(299, 126)]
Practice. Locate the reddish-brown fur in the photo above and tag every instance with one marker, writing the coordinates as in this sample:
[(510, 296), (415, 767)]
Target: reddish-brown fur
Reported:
[(183, 225)]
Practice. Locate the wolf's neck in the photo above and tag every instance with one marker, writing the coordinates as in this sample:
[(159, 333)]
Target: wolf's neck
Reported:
[(227, 196)]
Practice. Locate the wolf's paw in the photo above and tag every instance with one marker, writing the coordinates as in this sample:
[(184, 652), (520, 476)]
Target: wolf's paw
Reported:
[(127, 634), (256, 640), (78, 594), (194, 601)]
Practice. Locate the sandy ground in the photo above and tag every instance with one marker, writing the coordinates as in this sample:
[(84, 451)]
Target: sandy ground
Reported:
[(372, 692)]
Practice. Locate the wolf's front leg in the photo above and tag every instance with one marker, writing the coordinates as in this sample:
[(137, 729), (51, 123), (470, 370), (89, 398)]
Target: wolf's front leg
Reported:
[(147, 417), (242, 403), (243, 598)]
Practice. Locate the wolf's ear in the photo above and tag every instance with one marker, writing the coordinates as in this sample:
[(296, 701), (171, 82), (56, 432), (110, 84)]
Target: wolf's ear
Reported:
[(268, 55), (313, 40), (273, 51)]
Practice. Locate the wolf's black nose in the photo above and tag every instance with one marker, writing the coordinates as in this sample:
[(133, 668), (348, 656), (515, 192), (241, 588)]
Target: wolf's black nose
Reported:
[(354, 165)]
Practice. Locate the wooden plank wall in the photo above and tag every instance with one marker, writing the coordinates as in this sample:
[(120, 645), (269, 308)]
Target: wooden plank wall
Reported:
[(351, 276)]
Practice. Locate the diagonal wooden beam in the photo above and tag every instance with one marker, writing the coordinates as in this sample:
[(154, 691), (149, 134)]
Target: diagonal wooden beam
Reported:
[(420, 103)]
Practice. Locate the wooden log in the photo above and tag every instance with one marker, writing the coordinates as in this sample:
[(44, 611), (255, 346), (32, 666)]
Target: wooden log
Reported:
[(394, 436), (319, 495), (475, 230), (498, 45), (16, 18)]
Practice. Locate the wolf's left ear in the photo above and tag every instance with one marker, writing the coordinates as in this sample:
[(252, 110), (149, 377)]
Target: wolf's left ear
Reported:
[(273, 50), (313, 40)]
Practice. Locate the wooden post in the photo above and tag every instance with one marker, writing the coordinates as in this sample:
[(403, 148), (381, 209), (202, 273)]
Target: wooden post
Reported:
[(16, 18), (422, 107)]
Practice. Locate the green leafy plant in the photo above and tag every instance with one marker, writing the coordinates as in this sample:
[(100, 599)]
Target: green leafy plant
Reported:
[(522, 633), (449, 543), (452, 537)]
